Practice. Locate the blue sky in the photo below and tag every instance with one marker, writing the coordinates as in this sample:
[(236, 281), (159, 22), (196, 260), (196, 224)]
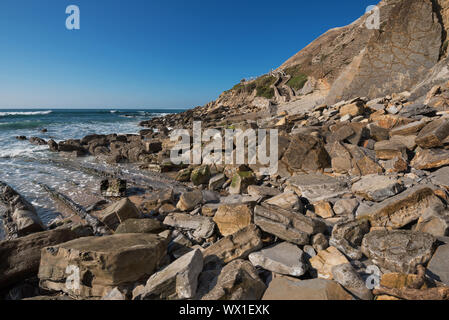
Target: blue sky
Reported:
[(154, 54)]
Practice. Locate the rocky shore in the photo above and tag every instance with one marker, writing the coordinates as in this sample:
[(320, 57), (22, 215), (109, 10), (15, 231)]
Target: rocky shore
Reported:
[(358, 208)]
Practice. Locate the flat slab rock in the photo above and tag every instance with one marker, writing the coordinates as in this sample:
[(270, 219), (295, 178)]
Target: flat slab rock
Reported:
[(398, 250), (317, 187), (283, 258), (438, 267), (377, 188), (203, 226), (103, 263)]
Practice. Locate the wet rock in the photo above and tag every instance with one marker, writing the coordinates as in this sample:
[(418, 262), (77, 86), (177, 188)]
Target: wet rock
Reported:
[(140, 226), (189, 200), (317, 187), (53, 145), (232, 218), (113, 188), (283, 258), (377, 188), (179, 280), (438, 268), (38, 141), (200, 175), (398, 250), (286, 288), (287, 225), (427, 159), (203, 227), (433, 134), (346, 276), (325, 260), (286, 200), (103, 263), (119, 212), (347, 237), (236, 246), (402, 209), (236, 281)]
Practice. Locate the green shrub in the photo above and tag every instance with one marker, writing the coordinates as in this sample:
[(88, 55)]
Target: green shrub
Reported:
[(297, 82)]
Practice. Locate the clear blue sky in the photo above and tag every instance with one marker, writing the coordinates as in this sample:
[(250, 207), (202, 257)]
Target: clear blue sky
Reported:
[(155, 54)]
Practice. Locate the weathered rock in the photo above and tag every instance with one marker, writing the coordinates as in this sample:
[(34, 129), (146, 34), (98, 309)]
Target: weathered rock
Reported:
[(319, 242), (286, 288), (37, 141), (153, 146), (377, 188), (53, 146), (353, 109), (408, 129), (232, 218), (398, 280), (428, 159), (287, 225), (287, 201), (262, 191), (20, 257), (179, 280), (323, 209), (184, 175), (236, 246), (103, 263), (398, 250), (402, 209), (236, 281), (200, 175), (140, 226), (344, 207), (114, 295), (387, 150), (347, 237), (217, 181), (189, 200), (438, 268), (346, 276), (325, 260), (441, 177), (202, 227), (283, 258), (240, 182), (119, 212), (395, 165), (435, 221), (317, 187), (113, 188), (433, 134)]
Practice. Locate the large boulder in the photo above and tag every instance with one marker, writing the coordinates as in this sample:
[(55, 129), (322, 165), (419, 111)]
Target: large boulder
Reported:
[(433, 134), (100, 263), (347, 237), (232, 218), (428, 159)]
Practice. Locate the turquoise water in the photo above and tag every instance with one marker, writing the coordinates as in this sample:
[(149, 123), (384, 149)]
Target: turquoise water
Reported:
[(22, 164)]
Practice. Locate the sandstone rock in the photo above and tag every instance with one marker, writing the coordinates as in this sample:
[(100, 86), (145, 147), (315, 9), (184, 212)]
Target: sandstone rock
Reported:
[(236, 246), (398, 250), (347, 237), (438, 268), (346, 276), (179, 280), (286, 288), (201, 175), (317, 187), (408, 129), (236, 281), (377, 188), (433, 134), (398, 280), (119, 212), (140, 226), (344, 207), (323, 209), (262, 191), (103, 263), (283, 258), (232, 218), (286, 200), (441, 177), (189, 200), (27, 222), (202, 227), (387, 150), (319, 242), (395, 165), (435, 221), (20, 257), (287, 225), (428, 159), (402, 209), (353, 109), (325, 260)]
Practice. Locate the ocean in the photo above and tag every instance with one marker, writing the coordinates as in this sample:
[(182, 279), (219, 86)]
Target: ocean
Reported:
[(23, 165)]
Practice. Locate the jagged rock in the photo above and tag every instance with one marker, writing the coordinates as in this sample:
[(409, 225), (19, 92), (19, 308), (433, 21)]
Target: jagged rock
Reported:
[(398, 250), (20, 257), (178, 280), (438, 268), (217, 181), (240, 182), (263, 191), (325, 260), (345, 207), (323, 209), (317, 187), (353, 109), (287, 225), (103, 263), (435, 221), (236, 281), (377, 188), (283, 258), (286, 288), (395, 165), (378, 133), (347, 237), (346, 276), (38, 141), (200, 175), (287, 201), (119, 212), (189, 200), (203, 227), (319, 242), (236, 246), (402, 209), (140, 226), (306, 152), (232, 218), (433, 134), (387, 150), (428, 159), (53, 146)]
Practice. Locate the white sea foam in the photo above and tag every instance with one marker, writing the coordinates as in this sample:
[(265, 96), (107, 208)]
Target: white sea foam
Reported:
[(24, 113)]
